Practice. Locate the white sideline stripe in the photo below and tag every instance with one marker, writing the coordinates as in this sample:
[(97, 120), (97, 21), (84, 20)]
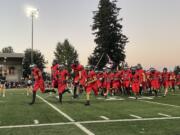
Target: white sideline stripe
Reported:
[(111, 99), (88, 132), (135, 116), (162, 114), (146, 97), (36, 122), (104, 117), (89, 122), (152, 102), (115, 99), (132, 97)]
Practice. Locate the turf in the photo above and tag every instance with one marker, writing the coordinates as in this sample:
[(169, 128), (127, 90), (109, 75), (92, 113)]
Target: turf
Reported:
[(14, 110)]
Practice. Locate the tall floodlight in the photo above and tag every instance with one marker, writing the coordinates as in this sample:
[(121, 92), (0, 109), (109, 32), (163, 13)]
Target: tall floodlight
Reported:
[(32, 13)]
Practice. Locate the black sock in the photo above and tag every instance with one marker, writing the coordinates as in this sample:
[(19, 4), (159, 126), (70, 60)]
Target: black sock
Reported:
[(33, 98), (75, 89), (128, 91), (155, 92), (60, 97), (50, 90), (140, 91), (87, 103)]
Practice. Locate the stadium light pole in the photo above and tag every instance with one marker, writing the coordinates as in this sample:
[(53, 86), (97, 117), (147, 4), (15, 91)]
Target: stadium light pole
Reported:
[(32, 13)]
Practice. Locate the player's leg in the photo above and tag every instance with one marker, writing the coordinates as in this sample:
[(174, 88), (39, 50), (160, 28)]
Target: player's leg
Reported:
[(128, 88), (0, 89), (3, 90), (156, 92), (76, 87), (166, 88), (33, 98), (29, 89), (88, 92), (173, 87), (95, 89), (35, 88), (60, 94), (61, 91), (140, 88), (135, 89), (108, 86)]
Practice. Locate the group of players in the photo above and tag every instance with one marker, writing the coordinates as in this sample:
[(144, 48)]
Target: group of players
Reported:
[(127, 80)]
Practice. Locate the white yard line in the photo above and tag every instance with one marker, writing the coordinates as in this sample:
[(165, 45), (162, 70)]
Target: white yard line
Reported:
[(88, 132), (37, 125), (152, 102), (128, 120), (104, 117), (162, 114), (88, 122), (135, 116), (143, 97)]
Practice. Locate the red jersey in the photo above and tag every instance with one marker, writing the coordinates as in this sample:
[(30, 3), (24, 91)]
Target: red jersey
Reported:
[(54, 71), (126, 75), (165, 76), (100, 76), (172, 76), (178, 79), (117, 76), (62, 75), (91, 76), (154, 76), (84, 73), (135, 78), (77, 68), (141, 75), (37, 74), (108, 77)]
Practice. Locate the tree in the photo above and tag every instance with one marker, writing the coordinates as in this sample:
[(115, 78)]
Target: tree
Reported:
[(39, 60), (65, 54), (8, 49), (108, 35)]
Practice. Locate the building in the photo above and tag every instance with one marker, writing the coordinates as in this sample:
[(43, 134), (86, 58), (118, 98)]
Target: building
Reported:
[(11, 66)]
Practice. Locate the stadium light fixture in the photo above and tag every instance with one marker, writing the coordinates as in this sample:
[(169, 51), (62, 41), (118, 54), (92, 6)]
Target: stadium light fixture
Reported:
[(32, 13)]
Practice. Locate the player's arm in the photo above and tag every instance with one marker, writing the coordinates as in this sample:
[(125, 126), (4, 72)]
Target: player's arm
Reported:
[(67, 76), (92, 81), (80, 75), (39, 73), (144, 77)]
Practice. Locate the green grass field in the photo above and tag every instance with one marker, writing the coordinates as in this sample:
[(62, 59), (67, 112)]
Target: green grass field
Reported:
[(156, 116)]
